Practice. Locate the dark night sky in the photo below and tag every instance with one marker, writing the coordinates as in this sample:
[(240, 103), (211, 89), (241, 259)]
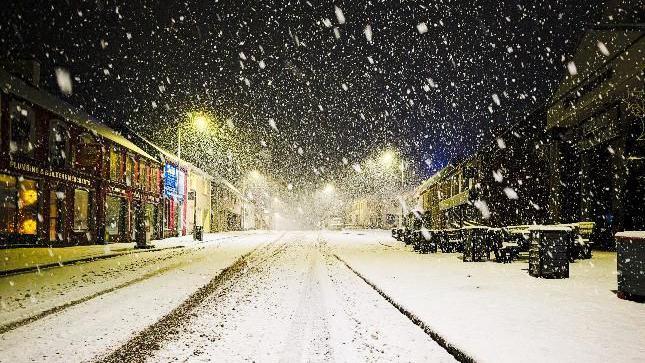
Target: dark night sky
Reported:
[(428, 94)]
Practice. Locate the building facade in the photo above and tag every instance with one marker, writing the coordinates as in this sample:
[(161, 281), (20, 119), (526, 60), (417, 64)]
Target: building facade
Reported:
[(66, 179), (597, 157)]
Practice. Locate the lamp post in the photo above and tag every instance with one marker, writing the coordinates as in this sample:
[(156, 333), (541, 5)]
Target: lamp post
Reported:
[(200, 122)]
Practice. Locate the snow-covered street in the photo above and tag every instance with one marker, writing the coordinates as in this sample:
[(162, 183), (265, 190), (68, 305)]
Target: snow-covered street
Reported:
[(315, 296)]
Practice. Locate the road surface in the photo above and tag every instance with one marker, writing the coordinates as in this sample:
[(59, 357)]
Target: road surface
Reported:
[(282, 297)]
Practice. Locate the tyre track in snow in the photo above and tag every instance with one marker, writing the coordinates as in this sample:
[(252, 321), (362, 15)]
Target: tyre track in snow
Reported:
[(292, 302), (139, 347), (176, 254), (459, 355), (310, 316)]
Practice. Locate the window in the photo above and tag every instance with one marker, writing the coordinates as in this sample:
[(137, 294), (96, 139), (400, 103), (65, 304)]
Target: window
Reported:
[(27, 206), (142, 174), (56, 214), (149, 171), (58, 144), (18, 205), (155, 181), (22, 123), (129, 170), (87, 153), (115, 164), (113, 216), (81, 210)]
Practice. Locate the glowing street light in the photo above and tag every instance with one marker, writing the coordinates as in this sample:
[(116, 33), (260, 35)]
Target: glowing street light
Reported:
[(255, 175), (199, 121), (387, 158), (329, 189)]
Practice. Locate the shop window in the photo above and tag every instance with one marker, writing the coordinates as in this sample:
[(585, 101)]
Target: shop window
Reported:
[(58, 144), (115, 164), (129, 170), (149, 178), (150, 217), (142, 174), (22, 125), (113, 216), (19, 205), (27, 206), (81, 210), (87, 154)]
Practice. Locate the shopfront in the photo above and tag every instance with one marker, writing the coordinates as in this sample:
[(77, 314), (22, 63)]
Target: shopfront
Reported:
[(174, 221), (41, 207), (66, 180)]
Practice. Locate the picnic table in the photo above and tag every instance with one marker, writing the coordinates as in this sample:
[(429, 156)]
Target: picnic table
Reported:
[(475, 243)]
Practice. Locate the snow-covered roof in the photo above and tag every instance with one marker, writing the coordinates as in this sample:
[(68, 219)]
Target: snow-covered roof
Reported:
[(433, 179), (639, 235), (549, 228), (14, 85), (168, 156)]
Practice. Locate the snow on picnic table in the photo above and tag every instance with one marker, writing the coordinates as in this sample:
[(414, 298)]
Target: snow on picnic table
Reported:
[(497, 312)]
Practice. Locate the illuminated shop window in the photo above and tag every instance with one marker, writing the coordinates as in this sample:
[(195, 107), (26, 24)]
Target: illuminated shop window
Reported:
[(18, 205), (115, 164), (113, 216), (81, 210), (27, 206)]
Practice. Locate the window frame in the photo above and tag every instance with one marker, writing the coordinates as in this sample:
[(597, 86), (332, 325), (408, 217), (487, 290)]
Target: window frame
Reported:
[(88, 211), (21, 210), (31, 116), (87, 166), (58, 123)]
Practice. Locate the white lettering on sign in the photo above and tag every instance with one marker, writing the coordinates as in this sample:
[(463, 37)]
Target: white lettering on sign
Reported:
[(49, 173)]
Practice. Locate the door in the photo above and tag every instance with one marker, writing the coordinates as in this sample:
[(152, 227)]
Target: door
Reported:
[(597, 192), (56, 215)]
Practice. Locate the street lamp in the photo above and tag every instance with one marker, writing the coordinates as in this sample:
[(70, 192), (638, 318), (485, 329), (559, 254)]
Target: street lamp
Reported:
[(199, 121), (329, 189), (387, 158)]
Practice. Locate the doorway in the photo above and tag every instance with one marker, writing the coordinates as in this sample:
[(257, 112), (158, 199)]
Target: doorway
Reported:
[(56, 215)]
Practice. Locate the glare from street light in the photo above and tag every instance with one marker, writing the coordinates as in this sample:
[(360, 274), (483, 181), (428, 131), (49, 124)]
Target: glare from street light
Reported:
[(255, 175), (387, 158), (199, 120), (201, 123), (329, 188)]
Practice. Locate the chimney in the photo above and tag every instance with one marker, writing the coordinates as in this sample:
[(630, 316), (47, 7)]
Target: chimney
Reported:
[(26, 69)]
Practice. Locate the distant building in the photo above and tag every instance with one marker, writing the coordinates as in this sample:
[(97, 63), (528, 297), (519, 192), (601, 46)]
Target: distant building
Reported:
[(232, 211), (371, 212)]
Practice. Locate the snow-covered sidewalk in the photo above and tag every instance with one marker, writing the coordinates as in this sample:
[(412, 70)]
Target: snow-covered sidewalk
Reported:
[(152, 284), (19, 259), (497, 312), (28, 295)]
